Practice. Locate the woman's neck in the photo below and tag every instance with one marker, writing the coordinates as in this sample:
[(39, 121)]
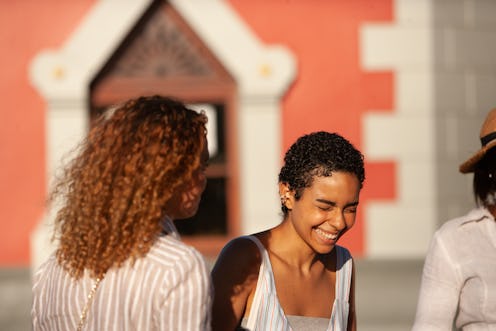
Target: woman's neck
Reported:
[(287, 245)]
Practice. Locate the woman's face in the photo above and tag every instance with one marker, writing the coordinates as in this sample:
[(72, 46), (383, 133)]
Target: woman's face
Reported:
[(185, 203), (325, 210)]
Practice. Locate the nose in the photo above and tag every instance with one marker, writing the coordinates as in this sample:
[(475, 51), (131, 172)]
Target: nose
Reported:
[(337, 220)]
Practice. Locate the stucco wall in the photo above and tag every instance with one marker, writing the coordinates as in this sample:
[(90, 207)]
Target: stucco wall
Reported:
[(408, 82), (25, 28)]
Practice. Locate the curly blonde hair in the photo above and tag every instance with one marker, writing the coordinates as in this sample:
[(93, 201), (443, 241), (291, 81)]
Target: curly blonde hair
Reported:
[(115, 191)]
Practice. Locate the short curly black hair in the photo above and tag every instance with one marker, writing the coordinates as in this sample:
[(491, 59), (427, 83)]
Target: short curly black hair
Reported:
[(319, 154)]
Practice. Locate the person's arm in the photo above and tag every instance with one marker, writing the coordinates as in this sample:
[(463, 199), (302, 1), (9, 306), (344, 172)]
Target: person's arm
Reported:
[(439, 290), (352, 312), (188, 300), (234, 277)]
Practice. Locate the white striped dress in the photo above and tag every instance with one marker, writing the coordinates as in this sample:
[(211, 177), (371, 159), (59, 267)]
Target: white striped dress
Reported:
[(266, 313), (168, 289)]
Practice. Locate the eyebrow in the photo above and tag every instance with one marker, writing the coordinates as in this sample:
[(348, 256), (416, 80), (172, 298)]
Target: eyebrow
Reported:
[(332, 203)]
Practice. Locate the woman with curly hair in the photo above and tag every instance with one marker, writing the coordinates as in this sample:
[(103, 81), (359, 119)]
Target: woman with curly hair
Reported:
[(294, 276), (120, 264)]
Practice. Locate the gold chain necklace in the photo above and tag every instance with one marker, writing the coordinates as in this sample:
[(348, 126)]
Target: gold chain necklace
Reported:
[(84, 313)]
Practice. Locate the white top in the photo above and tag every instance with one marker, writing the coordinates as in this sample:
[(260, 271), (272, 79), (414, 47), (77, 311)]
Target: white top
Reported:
[(460, 274), (168, 289), (266, 313)]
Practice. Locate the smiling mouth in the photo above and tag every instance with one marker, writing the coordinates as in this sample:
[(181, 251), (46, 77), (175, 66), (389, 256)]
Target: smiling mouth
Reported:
[(326, 235)]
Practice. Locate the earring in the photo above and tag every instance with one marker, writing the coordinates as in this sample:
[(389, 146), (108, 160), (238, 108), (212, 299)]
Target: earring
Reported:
[(283, 199), (491, 199)]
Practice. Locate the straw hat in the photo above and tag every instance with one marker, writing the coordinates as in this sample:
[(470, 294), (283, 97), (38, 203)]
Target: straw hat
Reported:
[(488, 141)]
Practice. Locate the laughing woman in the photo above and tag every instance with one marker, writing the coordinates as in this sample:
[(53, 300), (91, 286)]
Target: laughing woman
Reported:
[(294, 276)]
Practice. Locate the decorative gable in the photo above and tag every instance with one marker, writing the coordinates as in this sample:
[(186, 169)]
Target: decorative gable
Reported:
[(262, 74)]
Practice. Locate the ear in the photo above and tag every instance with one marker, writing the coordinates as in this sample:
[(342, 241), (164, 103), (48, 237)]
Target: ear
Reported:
[(286, 195)]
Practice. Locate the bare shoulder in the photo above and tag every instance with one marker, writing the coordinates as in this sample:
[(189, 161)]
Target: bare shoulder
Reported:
[(240, 256), (234, 277)]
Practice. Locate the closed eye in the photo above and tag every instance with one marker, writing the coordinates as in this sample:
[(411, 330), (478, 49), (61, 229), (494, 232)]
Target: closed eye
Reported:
[(352, 210)]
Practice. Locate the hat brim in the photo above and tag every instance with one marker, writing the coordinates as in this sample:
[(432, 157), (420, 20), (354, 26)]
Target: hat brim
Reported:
[(469, 165)]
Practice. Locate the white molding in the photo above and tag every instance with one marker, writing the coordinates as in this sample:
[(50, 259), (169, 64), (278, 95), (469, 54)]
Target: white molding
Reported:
[(262, 73), (63, 75), (405, 47)]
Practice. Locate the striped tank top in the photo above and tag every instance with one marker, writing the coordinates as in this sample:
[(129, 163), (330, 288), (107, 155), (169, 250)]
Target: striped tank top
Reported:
[(266, 313)]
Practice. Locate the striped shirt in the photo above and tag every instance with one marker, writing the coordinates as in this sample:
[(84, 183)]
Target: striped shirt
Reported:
[(266, 314), (168, 289)]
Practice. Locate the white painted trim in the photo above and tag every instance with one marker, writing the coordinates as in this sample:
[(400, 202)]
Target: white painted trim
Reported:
[(63, 75), (263, 74), (405, 47)]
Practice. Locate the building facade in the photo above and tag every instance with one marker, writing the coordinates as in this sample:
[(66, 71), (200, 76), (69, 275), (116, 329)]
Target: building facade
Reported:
[(408, 82)]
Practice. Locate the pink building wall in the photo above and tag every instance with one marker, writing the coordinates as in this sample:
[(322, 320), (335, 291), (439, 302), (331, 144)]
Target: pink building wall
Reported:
[(26, 27), (331, 93)]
